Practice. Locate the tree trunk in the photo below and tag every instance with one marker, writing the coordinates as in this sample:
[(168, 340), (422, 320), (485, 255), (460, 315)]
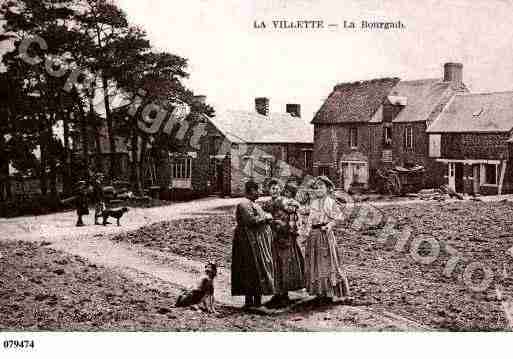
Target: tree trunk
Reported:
[(114, 166), (134, 167), (51, 157), (67, 185), (53, 175), (4, 170), (142, 161), (43, 162), (98, 143), (84, 135), (93, 122)]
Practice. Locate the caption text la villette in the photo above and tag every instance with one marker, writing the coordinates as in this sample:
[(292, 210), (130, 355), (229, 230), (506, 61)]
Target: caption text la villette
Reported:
[(282, 24)]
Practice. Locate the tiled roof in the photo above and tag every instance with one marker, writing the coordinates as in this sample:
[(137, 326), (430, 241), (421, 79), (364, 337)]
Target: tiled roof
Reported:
[(355, 101), (251, 127), (489, 112), (425, 99)]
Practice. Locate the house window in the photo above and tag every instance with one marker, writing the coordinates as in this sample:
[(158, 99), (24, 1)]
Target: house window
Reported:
[(307, 159), (248, 166), (387, 135), (181, 168), (360, 174), (267, 164), (452, 169), (353, 138), (434, 145), (258, 167), (489, 174), (324, 171), (408, 137)]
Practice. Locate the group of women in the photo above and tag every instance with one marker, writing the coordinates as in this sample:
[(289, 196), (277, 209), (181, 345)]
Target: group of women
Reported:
[(266, 256)]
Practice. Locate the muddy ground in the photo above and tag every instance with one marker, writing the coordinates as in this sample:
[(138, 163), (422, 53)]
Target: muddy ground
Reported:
[(44, 289), (381, 276)]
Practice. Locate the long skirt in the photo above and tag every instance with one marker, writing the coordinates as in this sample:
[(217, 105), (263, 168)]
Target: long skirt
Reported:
[(324, 274), (252, 262), (289, 265)]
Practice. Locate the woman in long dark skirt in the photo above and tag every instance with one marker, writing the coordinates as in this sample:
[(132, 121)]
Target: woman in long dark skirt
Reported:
[(252, 261)]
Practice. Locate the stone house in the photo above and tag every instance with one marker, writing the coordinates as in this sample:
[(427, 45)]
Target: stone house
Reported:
[(239, 145), (471, 138), (381, 123)]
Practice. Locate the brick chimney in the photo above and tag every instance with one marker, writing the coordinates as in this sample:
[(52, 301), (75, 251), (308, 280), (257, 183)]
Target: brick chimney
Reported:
[(262, 105), (294, 109), (453, 72)]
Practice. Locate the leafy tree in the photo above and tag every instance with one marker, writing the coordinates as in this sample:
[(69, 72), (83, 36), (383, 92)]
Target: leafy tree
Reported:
[(115, 45), (95, 37), (42, 83), (159, 75)]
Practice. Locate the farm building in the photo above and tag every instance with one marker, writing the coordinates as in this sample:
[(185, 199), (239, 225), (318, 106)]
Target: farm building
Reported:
[(472, 139), (239, 145), (381, 123)]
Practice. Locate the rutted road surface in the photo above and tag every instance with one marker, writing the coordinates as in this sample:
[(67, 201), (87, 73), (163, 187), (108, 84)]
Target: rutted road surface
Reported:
[(150, 267)]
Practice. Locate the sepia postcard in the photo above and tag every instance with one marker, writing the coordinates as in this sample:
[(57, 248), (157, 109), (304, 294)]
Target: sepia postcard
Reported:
[(228, 166)]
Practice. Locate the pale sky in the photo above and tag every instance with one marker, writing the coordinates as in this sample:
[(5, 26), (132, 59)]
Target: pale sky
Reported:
[(232, 63)]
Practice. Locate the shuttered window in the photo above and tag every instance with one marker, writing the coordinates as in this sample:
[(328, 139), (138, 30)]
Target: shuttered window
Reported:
[(434, 145), (324, 171), (408, 138), (307, 159), (182, 167), (353, 137), (387, 135)]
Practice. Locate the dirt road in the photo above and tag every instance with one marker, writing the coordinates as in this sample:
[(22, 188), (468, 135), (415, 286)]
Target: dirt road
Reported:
[(150, 267)]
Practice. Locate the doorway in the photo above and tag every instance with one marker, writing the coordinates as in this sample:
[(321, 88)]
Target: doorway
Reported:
[(217, 176), (459, 187), (354, 173), (456, 177)]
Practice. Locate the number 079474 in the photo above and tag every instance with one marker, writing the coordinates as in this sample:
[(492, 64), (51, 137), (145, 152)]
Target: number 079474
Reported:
[(18, 344)]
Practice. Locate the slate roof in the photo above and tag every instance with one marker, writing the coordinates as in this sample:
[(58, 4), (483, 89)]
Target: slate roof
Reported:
[(358, 101), (355, 101), (425, 99), (488, 112), (251, 127)]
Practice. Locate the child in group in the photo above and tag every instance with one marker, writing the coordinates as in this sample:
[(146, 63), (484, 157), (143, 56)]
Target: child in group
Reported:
[(287, 257), (304, 198)]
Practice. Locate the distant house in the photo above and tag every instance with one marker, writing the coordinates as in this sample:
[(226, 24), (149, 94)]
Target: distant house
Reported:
[(472, 138), (218, 154), (263, 145), (240, 145), (380, 123)]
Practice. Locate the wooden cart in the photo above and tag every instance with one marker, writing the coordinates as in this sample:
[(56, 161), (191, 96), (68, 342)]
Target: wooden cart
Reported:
[(399, 180)]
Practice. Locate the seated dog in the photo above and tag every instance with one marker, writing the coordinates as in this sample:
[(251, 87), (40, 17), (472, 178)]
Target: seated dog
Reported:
[(114, 213), (203, 294)]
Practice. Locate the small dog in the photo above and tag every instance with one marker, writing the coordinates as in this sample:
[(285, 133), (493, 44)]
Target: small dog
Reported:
[(114, 213), (203, 294)]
